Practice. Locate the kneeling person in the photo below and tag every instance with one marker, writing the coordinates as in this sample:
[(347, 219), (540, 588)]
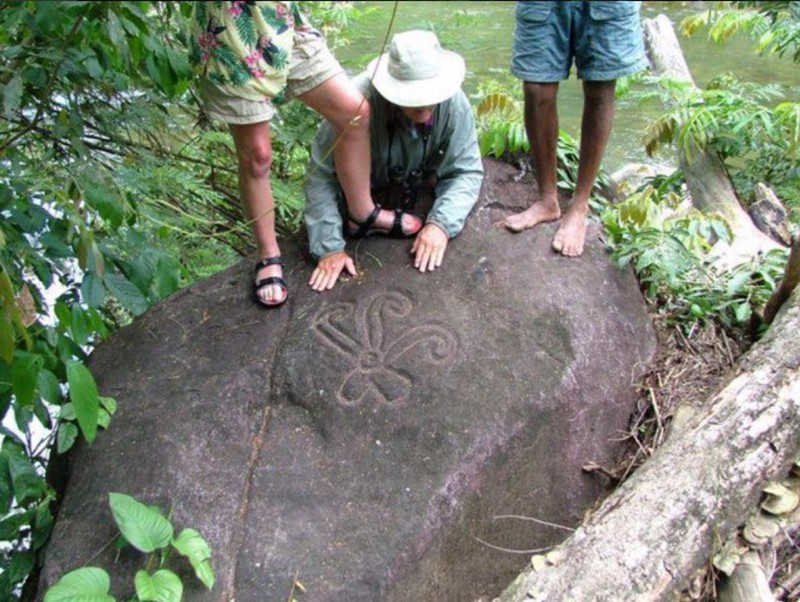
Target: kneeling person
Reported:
[(423, 150)]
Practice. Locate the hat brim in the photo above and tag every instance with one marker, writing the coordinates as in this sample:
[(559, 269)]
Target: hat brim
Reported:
[(420, 92)]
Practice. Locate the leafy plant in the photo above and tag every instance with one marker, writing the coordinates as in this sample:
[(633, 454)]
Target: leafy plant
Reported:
[(669, 249), (753, 127), (757, 138), (149, 531), (772, 25)]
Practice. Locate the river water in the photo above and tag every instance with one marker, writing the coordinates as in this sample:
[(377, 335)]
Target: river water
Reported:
[(482, 33)]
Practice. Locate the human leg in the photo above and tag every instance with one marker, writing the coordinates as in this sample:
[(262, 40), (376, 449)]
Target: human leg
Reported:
[(608, 45), (541, 125), (317, 79), (541, 58), (596, 122), (348, 112), (254, 153)]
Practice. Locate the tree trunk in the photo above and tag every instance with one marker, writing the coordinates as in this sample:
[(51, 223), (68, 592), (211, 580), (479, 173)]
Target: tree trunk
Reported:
[(664, 49), (769, 214), (787, 285), (705, 173), (649, 537)]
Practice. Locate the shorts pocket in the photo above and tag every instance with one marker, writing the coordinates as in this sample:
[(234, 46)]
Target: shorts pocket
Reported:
[(307, 43), (534, 12), (603, 11)]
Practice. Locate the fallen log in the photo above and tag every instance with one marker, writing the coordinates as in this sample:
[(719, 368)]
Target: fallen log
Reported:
[(650, 537)]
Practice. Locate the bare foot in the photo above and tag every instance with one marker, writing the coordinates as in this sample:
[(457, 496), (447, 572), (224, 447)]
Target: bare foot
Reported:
[(537, 213), (271, 294), (571, 233)]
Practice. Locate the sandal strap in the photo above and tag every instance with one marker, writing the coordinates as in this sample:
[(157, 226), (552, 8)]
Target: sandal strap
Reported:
[(268, 261), (270, 281), (397, 225), (364, 227)]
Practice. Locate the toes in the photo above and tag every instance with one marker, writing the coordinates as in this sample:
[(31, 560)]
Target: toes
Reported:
[(412, 224), (272, 295)]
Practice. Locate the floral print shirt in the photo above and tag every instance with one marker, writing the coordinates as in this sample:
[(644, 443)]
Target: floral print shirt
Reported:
[(245, 46)]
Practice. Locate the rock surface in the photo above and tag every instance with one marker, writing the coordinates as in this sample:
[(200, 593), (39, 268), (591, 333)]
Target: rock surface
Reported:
[(377, 440)]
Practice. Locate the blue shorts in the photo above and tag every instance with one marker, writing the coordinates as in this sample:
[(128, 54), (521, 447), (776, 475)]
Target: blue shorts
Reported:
[(604, 39)]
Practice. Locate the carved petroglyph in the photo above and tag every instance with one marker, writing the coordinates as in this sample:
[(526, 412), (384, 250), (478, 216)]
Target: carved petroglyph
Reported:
[(362, 333)]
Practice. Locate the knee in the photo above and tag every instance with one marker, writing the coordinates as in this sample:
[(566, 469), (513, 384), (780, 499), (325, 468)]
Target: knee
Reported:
[(356, 117), (599, 92), (540, 94), (257, 162), (362, 113)]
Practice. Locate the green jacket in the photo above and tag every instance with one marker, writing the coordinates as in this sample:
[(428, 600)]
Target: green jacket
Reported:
[(451, 150)]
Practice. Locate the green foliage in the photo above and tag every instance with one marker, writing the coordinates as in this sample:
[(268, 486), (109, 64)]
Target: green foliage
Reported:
[(500, 123), (757, 138), (774, 26), (87, 584), (669, 249), (113, 194), (753, 128), (149, 531), (84, 86)]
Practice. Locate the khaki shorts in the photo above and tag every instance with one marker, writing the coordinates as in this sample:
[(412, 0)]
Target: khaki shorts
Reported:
[(312, 64)]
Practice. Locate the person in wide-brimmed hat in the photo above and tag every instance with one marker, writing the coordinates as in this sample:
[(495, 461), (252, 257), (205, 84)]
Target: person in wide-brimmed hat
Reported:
[(425, 159)]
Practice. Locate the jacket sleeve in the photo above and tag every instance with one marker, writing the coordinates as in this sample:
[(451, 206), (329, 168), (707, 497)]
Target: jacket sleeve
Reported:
[(322, 197), (460, 173)]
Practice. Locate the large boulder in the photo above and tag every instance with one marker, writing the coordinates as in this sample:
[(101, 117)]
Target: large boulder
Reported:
[(382, 441)]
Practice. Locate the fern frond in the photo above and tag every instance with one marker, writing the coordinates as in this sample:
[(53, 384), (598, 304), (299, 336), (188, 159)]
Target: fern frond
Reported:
[(496, 102)]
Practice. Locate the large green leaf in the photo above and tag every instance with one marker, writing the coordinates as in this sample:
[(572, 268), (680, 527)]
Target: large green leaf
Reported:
[(92, 289), (166, 281), (161, 586), (7, 339), (67, 434), (21, 565), (192, 545), (6, 486), (12, 95), (49, 387), (108, 202), (24, 375), (144, 527), (85, 400), (28, 484), (80, 326), (127, 293), (82, 585), (42, 524), (12, 524)]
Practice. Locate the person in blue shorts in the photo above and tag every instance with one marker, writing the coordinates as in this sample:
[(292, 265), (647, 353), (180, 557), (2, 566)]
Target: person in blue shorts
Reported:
[(604, 40)]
